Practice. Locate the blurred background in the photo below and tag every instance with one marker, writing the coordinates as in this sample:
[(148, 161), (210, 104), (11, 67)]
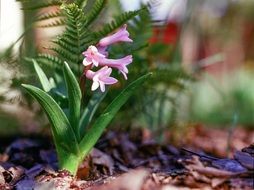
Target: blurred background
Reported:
[(201, 53)]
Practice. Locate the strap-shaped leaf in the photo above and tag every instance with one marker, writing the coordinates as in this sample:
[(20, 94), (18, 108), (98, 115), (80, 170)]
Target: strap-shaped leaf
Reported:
[(90, 110), (74, 97), (46, 85), (64, 137), (94, 133)]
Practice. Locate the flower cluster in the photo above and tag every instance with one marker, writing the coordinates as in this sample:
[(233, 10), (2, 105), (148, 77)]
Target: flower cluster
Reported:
[(97, 56)]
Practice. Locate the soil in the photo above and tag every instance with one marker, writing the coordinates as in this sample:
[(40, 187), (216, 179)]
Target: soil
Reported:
[(133, 161)]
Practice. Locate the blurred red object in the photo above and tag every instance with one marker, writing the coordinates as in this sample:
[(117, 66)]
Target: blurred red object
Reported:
[(167, 34)]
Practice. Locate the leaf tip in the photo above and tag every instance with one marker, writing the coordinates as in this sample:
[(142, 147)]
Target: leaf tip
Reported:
[(149, 74), (24, 85)]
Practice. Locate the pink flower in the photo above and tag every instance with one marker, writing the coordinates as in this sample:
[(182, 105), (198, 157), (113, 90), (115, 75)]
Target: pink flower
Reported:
[(119, 64), (122, 35), (102, 50), (101, 78), (97, 56), (92, 56)]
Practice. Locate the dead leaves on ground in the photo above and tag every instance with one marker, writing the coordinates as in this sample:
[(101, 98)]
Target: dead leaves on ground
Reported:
[(121, 162)]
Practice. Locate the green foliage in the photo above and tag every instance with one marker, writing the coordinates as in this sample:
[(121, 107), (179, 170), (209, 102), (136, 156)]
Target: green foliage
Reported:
[(157, 108), (34, 4), (62, 131), (78, 34), (62, 101), (74, 97), (90, 110), (81, 3), (93, 134), (217, 102), (46, 85), (116, 23), (95, 11), (49, 15)]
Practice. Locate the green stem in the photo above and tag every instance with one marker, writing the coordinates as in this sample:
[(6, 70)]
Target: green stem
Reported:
[(69, 162)]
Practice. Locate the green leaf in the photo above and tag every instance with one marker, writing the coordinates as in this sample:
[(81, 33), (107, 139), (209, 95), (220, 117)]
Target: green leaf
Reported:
[(90, 110), (46, 85), (94, 133), (64, 137), (60, 98), (74, 97)]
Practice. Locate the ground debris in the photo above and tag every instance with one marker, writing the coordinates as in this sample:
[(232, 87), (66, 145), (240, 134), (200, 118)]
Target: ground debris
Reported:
[(133, 180), (121, 161), (245, 159)]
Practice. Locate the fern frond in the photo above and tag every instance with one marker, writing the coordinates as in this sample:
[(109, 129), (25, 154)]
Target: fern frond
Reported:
[(141, 23), (54, 62), (95, 11), (77, 35), (75, 19), (65, 54), (49, 15), (170, 76), (81, 3), (64, 44), (50, 60), (116, 23), (69, 45), (54, 23), (67, 40), (35, 5)]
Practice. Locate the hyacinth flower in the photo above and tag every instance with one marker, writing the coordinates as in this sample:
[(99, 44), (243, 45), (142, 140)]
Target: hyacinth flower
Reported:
[(119, 64), (98, 56), (122, 35), (92, 56), (102, 50), (101, 78)]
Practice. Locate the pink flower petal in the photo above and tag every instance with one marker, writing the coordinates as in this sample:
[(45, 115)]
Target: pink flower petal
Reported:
[(122, 35), (110, 80), (95, 85)]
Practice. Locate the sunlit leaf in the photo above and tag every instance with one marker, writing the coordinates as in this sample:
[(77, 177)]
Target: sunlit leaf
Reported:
[(90, 110), (64, 137), (74, 97), (46, 85)]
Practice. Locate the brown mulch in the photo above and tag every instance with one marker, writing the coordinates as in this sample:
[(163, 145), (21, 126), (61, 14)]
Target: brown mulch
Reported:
[(132, 162)]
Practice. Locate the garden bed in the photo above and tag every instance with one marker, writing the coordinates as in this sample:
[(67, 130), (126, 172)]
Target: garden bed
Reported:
[(134, 162)]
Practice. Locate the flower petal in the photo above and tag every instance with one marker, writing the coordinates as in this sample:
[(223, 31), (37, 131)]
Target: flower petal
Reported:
[(124, 75), (110, 80), (95, 85), (102, 86), (95, 63), (86, 62), (122, 35)]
